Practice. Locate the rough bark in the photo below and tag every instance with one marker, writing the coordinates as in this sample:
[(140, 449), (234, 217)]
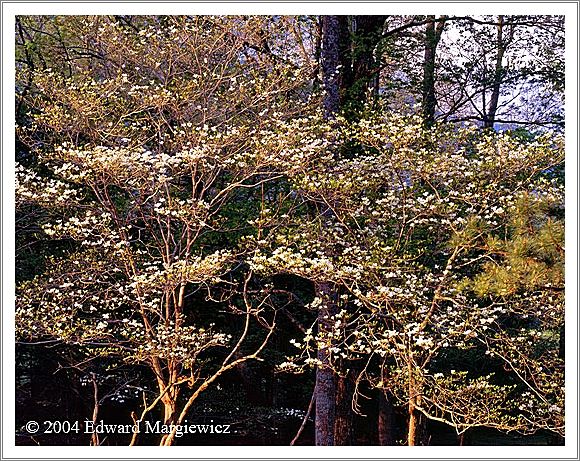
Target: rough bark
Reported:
[(358, 40), (432, 37), (350, 63), (367, 34), (386, 420), (330, 62), (344, 413)]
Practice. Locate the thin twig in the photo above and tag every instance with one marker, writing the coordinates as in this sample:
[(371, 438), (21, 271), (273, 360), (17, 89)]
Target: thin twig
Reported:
[(310, 406)]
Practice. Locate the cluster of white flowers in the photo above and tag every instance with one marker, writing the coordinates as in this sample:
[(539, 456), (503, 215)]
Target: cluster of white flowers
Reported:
[(166, 277), (173, 341), (194, 213), (31, 188)]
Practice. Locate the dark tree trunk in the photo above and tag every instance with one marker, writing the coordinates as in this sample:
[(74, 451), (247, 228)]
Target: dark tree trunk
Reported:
[(351, 43), (344, 413), (330, 64), (562, 342), (368, 31), (386, 421), (358, 43), (345, 56), (498, 75), (432, 37)]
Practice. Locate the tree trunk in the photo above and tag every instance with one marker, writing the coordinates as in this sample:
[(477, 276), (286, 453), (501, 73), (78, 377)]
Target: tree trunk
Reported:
[(325, 376), (416, 431), (502, 43), (358, 40), (368, 31), (346, 73), (562, 342), (169, 401), (386, 422), (432, 37), (344, 414), (330, 62)]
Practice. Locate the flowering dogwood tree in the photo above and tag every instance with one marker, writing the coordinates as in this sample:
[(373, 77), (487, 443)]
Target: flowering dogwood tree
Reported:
[(421, 223), (153, 167)]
